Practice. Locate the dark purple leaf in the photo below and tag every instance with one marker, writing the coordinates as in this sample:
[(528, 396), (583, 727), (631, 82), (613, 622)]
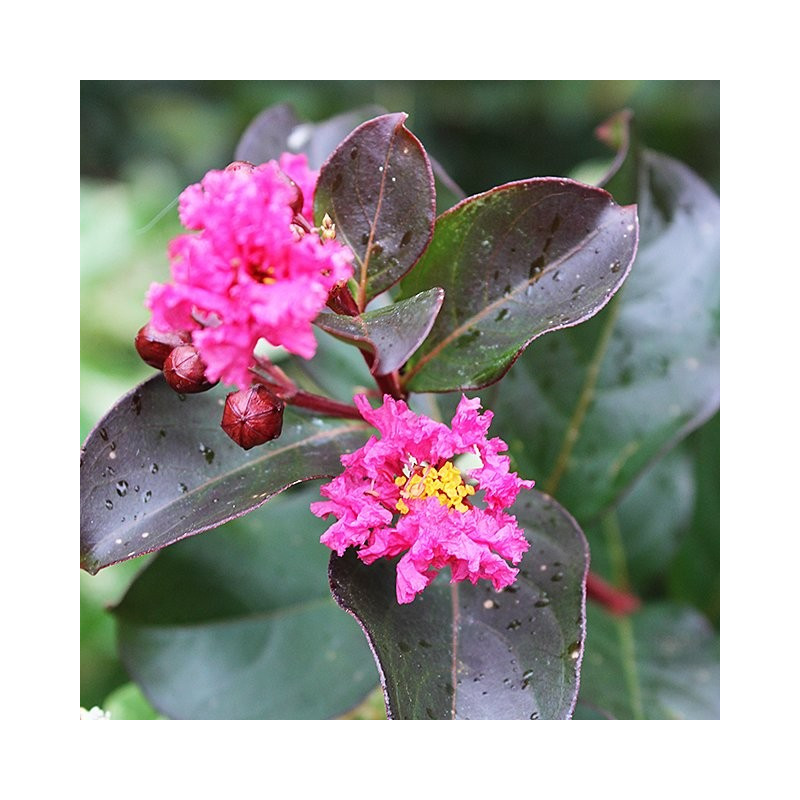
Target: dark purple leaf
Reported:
[(378, 188), (392, 333), (516, 262), (158, 467), (278, 130), (467, 652), (265, 137)]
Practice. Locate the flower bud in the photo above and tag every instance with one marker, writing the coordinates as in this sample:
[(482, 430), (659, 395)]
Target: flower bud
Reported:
[(252, 416), (185, 372), (154, 345), (240, 166), (296, 203)]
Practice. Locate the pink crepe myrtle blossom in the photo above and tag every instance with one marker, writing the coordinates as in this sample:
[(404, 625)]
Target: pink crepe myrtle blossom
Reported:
[(403, 493), (254, 269)]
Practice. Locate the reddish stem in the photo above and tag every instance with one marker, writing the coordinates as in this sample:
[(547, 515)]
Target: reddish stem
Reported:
[(287, 390), (324, 405), (341, 301), (612, 599)]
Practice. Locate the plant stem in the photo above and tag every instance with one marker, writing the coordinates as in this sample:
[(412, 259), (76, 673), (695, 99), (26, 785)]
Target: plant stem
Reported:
[(341, 301), (324, 405), (612, 599), (287, 390)]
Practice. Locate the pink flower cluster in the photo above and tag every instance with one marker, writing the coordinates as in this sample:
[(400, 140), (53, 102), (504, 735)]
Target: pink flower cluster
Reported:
[(403, 493), (254, 270)]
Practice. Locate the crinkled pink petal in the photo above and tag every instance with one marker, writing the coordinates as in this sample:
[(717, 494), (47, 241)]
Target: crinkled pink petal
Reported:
[(248, 268), (475, 543)]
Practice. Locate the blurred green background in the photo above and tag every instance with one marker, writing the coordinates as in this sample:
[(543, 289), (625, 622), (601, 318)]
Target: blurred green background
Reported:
[(142, 142)]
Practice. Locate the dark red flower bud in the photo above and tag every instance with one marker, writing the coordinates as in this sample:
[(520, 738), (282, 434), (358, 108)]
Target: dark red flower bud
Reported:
[(185, 372), (252, 416), (154, 345)]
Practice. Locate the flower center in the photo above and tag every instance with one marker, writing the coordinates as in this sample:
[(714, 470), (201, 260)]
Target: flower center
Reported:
[(444, 483)]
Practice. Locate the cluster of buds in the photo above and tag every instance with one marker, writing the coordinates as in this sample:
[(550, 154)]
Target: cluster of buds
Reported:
[(251, 417)]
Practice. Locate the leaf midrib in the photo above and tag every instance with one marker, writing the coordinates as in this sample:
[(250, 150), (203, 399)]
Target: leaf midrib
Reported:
[(519, 288)]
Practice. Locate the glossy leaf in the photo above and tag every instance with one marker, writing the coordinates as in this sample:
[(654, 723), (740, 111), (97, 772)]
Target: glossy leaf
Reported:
[(240, 624), (265, 137), (587, 410), (648, 525), (158, 467), (694, 575), (516, 262), (278, 130), (378, 188), (468, 652), (391, 333), (660, 663)]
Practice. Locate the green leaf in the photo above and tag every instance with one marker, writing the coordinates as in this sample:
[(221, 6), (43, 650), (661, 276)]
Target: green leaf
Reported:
[(240, 624), (467, 652), (660, 663), (158, 468), (516, 262), (694, 576), (378, 188), (588, 409), (128, 702), (392, 333), (633, 545)]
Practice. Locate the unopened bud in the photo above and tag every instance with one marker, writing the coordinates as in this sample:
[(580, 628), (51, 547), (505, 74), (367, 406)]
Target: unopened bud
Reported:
[(185, 371), (252, 416), (240, 166), (154, 346), (327, 230)]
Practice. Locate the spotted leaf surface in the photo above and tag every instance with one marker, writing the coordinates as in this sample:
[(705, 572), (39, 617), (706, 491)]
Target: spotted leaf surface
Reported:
[(158, 468), (467, 652)]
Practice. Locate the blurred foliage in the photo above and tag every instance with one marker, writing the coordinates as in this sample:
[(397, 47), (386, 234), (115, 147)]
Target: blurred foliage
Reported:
[(142, 142)]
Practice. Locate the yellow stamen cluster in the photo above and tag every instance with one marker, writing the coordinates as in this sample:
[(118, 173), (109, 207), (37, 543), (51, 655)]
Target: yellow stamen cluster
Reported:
[(444, 483)]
